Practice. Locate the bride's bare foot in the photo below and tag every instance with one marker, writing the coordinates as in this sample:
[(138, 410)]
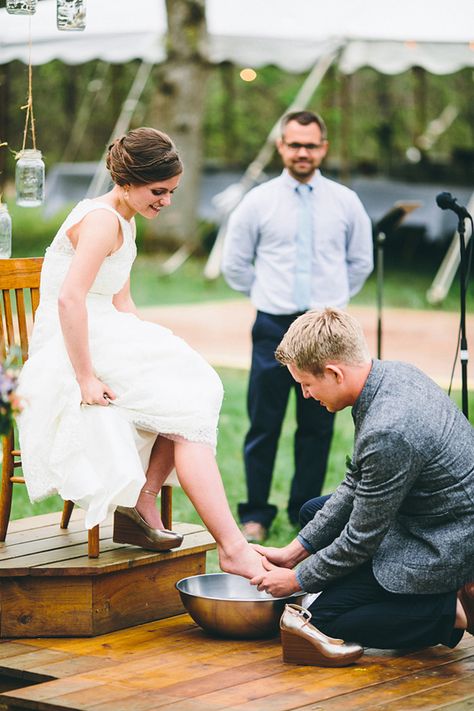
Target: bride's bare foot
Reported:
[(240, 559)]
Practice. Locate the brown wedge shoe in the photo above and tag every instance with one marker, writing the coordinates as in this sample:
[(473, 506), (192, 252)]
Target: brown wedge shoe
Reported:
[(304, 644), (130, 527)]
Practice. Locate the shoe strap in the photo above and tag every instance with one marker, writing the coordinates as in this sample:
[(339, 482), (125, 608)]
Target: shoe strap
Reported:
[(301, 612)]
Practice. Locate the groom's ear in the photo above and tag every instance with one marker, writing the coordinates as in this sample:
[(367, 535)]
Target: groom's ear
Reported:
[(333, 370)]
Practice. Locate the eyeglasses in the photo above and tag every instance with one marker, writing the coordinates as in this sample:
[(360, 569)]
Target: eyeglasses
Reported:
[(306, 146)]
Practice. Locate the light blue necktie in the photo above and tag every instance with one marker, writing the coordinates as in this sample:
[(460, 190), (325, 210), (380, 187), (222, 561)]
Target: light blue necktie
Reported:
[(304, 249)]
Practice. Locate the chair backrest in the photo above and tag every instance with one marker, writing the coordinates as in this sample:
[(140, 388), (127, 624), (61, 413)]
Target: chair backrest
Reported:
[(18, 278)]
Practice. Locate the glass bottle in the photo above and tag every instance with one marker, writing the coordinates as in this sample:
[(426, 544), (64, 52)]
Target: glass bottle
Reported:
[(21, 7), (5, 232), (71, 14), (29, 178)]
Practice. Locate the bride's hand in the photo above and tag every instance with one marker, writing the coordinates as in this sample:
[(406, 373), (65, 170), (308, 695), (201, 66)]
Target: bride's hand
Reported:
[(95, 392)]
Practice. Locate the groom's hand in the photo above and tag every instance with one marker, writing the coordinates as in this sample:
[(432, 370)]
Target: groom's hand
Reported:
[(277, 556), (279, 582), (286, 557)]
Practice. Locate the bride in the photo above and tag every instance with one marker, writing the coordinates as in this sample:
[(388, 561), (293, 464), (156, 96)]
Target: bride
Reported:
[(113, 403)]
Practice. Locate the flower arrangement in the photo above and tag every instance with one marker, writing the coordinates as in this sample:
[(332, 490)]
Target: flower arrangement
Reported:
[(10, 404)]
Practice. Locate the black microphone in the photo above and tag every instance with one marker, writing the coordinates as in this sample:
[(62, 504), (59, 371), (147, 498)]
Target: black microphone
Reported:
[(447, 202)]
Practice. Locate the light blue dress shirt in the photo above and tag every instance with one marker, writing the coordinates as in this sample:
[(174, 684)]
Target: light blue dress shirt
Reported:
[(260, 246)]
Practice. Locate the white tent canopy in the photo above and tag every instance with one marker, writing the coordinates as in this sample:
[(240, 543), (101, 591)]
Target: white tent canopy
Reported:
[(391, 37)]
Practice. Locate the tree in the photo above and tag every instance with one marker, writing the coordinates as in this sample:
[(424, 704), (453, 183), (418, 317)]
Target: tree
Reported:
[(178, 108)]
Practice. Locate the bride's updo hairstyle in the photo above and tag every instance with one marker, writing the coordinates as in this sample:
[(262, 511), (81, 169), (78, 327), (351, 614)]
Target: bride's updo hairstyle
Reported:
[(142, 156)]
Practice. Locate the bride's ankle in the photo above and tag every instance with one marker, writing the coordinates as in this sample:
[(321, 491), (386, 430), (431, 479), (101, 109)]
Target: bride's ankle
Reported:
[(232, 549), (149, 492), (239, 558)]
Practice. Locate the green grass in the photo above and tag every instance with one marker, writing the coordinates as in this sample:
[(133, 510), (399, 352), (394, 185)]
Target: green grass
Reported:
[(403, 288), (232, 428), (186, 286)]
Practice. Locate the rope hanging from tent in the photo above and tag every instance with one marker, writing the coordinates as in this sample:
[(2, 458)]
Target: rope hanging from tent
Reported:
[(30, 116)]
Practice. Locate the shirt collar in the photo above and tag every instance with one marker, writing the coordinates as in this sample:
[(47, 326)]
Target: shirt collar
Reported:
[(293, 183), (369, 390)]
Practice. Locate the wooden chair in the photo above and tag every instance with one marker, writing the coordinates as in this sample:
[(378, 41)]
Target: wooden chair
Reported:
[(19, 277)]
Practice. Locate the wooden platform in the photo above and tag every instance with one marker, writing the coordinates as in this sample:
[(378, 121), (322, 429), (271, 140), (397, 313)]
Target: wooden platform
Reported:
[(172, 664), (49, 587)]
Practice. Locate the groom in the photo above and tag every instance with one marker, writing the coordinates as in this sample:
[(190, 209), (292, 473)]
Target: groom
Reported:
[(392, 550)]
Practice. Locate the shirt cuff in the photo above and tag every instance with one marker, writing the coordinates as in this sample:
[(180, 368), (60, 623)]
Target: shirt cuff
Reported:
[(305, 543), (298, 580)]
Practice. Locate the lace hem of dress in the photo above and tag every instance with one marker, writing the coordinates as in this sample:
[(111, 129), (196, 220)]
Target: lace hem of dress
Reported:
[(45, 493), (201, 435)]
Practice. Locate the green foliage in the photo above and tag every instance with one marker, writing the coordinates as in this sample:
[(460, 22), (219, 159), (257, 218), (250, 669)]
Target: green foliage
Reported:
[(31, 232), (75, 108), (371, 118)]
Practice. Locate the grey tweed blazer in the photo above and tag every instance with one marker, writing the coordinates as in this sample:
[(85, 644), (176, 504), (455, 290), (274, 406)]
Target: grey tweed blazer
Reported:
[(407, 501)]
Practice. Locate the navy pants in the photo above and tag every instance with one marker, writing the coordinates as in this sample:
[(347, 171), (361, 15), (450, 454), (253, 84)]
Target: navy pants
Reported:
[(358, 609), (269, 388)]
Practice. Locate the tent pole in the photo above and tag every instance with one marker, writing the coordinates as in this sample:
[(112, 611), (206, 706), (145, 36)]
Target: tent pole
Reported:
[(94, 89), (101, 178), (256, 168), (345, 100)]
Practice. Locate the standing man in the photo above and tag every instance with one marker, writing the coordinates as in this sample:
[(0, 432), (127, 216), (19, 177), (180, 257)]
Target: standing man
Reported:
[(295, 243), (392, 549)]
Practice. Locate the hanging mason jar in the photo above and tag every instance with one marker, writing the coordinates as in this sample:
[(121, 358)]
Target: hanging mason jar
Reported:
[(21, 7), (71, 14), (5, 232), (29, 178)]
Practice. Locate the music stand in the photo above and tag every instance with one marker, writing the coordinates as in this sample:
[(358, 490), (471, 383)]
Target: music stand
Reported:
[(383, 228)]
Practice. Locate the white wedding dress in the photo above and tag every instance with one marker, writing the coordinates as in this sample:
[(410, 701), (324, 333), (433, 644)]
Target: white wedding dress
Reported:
[(96, 456)]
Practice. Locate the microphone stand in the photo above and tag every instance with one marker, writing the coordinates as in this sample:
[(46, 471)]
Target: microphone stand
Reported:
[(463, 341), (380, 242), (387, 224)]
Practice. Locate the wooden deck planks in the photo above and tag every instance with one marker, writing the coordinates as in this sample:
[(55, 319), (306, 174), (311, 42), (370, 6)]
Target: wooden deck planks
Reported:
[(46, 550), (181, 669), (173, 665)]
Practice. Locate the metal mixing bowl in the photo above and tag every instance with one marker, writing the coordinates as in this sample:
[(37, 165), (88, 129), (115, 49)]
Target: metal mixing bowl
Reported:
[(228, 606)]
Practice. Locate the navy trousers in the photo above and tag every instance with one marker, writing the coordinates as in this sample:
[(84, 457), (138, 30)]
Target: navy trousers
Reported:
[(269, 388), (358, 609)]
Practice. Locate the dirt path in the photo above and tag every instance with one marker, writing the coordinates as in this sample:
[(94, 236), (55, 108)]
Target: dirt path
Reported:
[(220, 331)]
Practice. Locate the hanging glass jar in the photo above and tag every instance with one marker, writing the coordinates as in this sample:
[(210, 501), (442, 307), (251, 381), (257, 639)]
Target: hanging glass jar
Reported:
[(21, 7), (5, 232), (71, 14), (29, 178)]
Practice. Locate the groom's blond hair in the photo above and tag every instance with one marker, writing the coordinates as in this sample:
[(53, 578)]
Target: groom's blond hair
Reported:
[(320, 337)]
